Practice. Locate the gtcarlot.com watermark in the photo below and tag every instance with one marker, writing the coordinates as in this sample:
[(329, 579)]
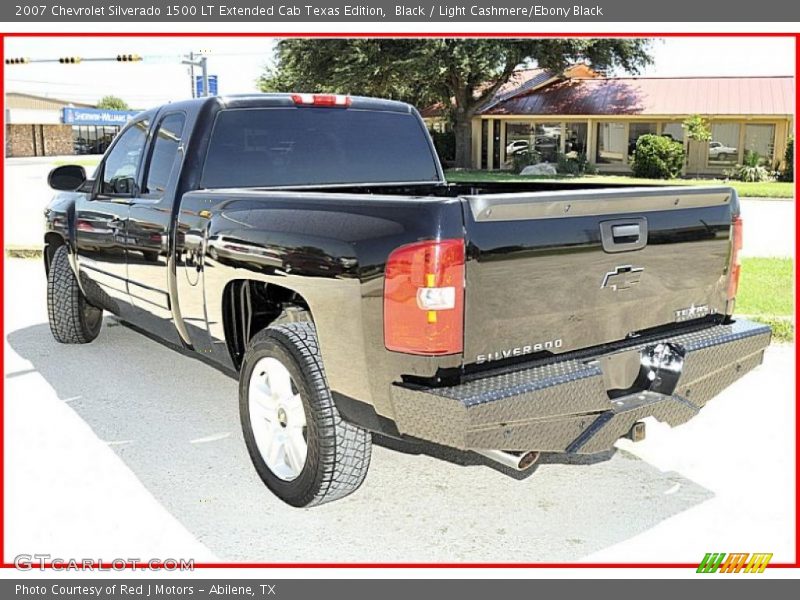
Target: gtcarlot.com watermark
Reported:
[(30, 562)]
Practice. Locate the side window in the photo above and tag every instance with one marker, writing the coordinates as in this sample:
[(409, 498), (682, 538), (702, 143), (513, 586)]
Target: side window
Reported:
[(121, 167), (165, 149)]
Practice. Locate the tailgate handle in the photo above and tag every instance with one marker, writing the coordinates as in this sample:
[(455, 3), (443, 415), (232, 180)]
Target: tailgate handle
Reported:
[(621, 232), (624, 235)]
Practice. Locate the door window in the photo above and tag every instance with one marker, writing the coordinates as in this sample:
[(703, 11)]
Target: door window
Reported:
[(165, 149), (121, 167)]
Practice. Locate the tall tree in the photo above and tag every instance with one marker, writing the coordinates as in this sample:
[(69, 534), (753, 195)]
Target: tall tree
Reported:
[(113, 103), (461, 74)]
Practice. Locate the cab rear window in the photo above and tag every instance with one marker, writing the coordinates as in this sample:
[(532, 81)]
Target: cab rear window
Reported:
[(307, 146)]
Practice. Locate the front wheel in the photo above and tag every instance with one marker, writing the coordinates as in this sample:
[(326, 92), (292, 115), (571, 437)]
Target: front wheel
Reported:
[(72, 319), (300, 446)]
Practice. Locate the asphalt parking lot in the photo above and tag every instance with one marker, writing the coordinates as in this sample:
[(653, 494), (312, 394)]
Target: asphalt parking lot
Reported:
[(123, 448)]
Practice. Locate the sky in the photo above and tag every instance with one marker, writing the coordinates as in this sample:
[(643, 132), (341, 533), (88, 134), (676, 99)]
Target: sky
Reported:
[(238, 62)]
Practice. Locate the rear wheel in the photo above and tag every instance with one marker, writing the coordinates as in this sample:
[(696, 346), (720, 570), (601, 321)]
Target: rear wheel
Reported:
[(300, 446), (72, 319)]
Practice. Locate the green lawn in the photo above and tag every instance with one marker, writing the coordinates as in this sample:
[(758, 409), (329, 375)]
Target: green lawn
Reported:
[(769, 189), (83, 162), (765, 294)]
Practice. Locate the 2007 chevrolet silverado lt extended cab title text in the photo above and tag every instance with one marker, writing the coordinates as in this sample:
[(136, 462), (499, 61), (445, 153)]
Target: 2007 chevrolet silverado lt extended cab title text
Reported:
[(310, 246)]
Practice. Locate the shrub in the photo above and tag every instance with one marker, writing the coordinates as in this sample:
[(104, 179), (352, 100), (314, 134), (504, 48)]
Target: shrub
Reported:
[(445, 144), (658, 157), (788, 157), (573, 165), (751, 171)]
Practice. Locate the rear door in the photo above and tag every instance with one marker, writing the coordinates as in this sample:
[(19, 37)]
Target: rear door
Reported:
[(149, 228), (561, 271)]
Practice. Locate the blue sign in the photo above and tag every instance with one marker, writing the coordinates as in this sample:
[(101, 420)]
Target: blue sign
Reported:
[(213, 90), (96, 116)]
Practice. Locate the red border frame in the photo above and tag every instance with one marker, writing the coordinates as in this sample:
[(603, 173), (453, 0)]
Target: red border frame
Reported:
[(224, 565)]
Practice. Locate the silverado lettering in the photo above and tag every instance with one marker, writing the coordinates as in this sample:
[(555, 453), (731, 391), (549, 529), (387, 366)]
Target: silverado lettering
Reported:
[(309, 245), (519, 351)]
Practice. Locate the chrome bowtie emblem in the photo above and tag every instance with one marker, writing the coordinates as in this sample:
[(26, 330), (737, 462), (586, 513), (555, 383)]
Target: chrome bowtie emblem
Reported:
[(622, 278)]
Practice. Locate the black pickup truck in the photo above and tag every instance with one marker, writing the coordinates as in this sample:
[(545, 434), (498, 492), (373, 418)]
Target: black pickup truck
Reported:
[(309, 245)]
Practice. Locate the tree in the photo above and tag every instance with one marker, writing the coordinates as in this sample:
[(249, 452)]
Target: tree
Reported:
[(697, 131), (461, 74), (113, 103), (697, 128)]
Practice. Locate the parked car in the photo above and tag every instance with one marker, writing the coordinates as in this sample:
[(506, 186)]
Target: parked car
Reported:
[(314, 251), (719, 151), (517, 146)]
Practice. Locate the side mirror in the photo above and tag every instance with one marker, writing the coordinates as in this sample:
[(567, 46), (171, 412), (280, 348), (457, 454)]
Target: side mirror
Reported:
[(67, 178)]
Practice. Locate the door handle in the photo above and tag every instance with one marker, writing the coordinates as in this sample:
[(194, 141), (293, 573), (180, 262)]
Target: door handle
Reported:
[(624, 235), (621, 232)]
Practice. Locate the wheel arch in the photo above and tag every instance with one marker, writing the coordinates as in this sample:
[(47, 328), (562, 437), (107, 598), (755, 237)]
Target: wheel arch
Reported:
[(250, 305), (52, 242)]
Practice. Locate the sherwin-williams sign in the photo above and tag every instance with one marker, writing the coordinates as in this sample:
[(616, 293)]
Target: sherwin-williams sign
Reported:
[(96, 116)]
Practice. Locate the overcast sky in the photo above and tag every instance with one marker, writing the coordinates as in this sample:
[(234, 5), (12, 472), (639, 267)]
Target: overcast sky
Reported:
[(239, 61)]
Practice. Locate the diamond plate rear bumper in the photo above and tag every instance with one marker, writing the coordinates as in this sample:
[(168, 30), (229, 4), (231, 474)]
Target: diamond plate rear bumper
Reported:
[(564, 406)]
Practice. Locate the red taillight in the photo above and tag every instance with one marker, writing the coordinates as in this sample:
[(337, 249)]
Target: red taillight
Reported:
[(736, 259), (328, 100), (423, 298)]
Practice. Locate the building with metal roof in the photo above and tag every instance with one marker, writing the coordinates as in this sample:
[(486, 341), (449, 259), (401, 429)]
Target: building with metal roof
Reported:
[(602, 117)]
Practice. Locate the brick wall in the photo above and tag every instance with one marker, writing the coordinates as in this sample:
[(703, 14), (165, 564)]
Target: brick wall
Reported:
[(38, 140), (58, 139)]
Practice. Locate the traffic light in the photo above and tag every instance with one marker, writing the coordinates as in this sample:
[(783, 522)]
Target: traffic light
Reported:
[(21, 60), (128, 58), (69, 60)]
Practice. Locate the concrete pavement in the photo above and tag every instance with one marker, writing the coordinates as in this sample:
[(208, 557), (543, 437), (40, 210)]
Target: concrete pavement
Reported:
[(125, 448)]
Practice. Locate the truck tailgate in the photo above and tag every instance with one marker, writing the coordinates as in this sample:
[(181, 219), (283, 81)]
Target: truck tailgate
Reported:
[(561, 271)]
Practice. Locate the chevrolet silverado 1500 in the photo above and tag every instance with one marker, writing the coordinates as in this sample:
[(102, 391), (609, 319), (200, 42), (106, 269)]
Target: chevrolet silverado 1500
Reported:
[(310, 246)]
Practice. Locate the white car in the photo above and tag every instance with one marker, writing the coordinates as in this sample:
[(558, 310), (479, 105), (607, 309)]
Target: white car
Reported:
[(719, 151), (516, 146)]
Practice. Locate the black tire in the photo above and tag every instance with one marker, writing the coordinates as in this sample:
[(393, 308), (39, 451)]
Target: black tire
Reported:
[(722, 157), (72, 319), (338, 452)]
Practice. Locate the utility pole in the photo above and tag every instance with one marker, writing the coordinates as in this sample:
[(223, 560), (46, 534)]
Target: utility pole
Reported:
[(191, 76), (202, 62)]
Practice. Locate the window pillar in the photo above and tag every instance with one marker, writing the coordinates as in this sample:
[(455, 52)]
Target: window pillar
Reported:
[(476, 143), (490, 145)]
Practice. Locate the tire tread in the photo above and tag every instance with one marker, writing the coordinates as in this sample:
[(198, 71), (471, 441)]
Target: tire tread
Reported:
[(66, 302), (345, 449)]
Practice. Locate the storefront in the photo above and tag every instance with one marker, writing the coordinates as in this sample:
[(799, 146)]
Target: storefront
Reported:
[(38, 126), (93, 129)]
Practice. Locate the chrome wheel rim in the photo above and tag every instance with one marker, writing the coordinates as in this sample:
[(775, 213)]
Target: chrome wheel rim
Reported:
[(277, 419)]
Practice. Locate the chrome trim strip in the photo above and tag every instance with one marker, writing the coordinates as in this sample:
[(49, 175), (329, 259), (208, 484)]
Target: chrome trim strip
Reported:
[(585, 203)]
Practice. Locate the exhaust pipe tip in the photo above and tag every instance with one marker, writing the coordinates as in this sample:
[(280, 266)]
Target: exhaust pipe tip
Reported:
[(527, 460), (518, 461)]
